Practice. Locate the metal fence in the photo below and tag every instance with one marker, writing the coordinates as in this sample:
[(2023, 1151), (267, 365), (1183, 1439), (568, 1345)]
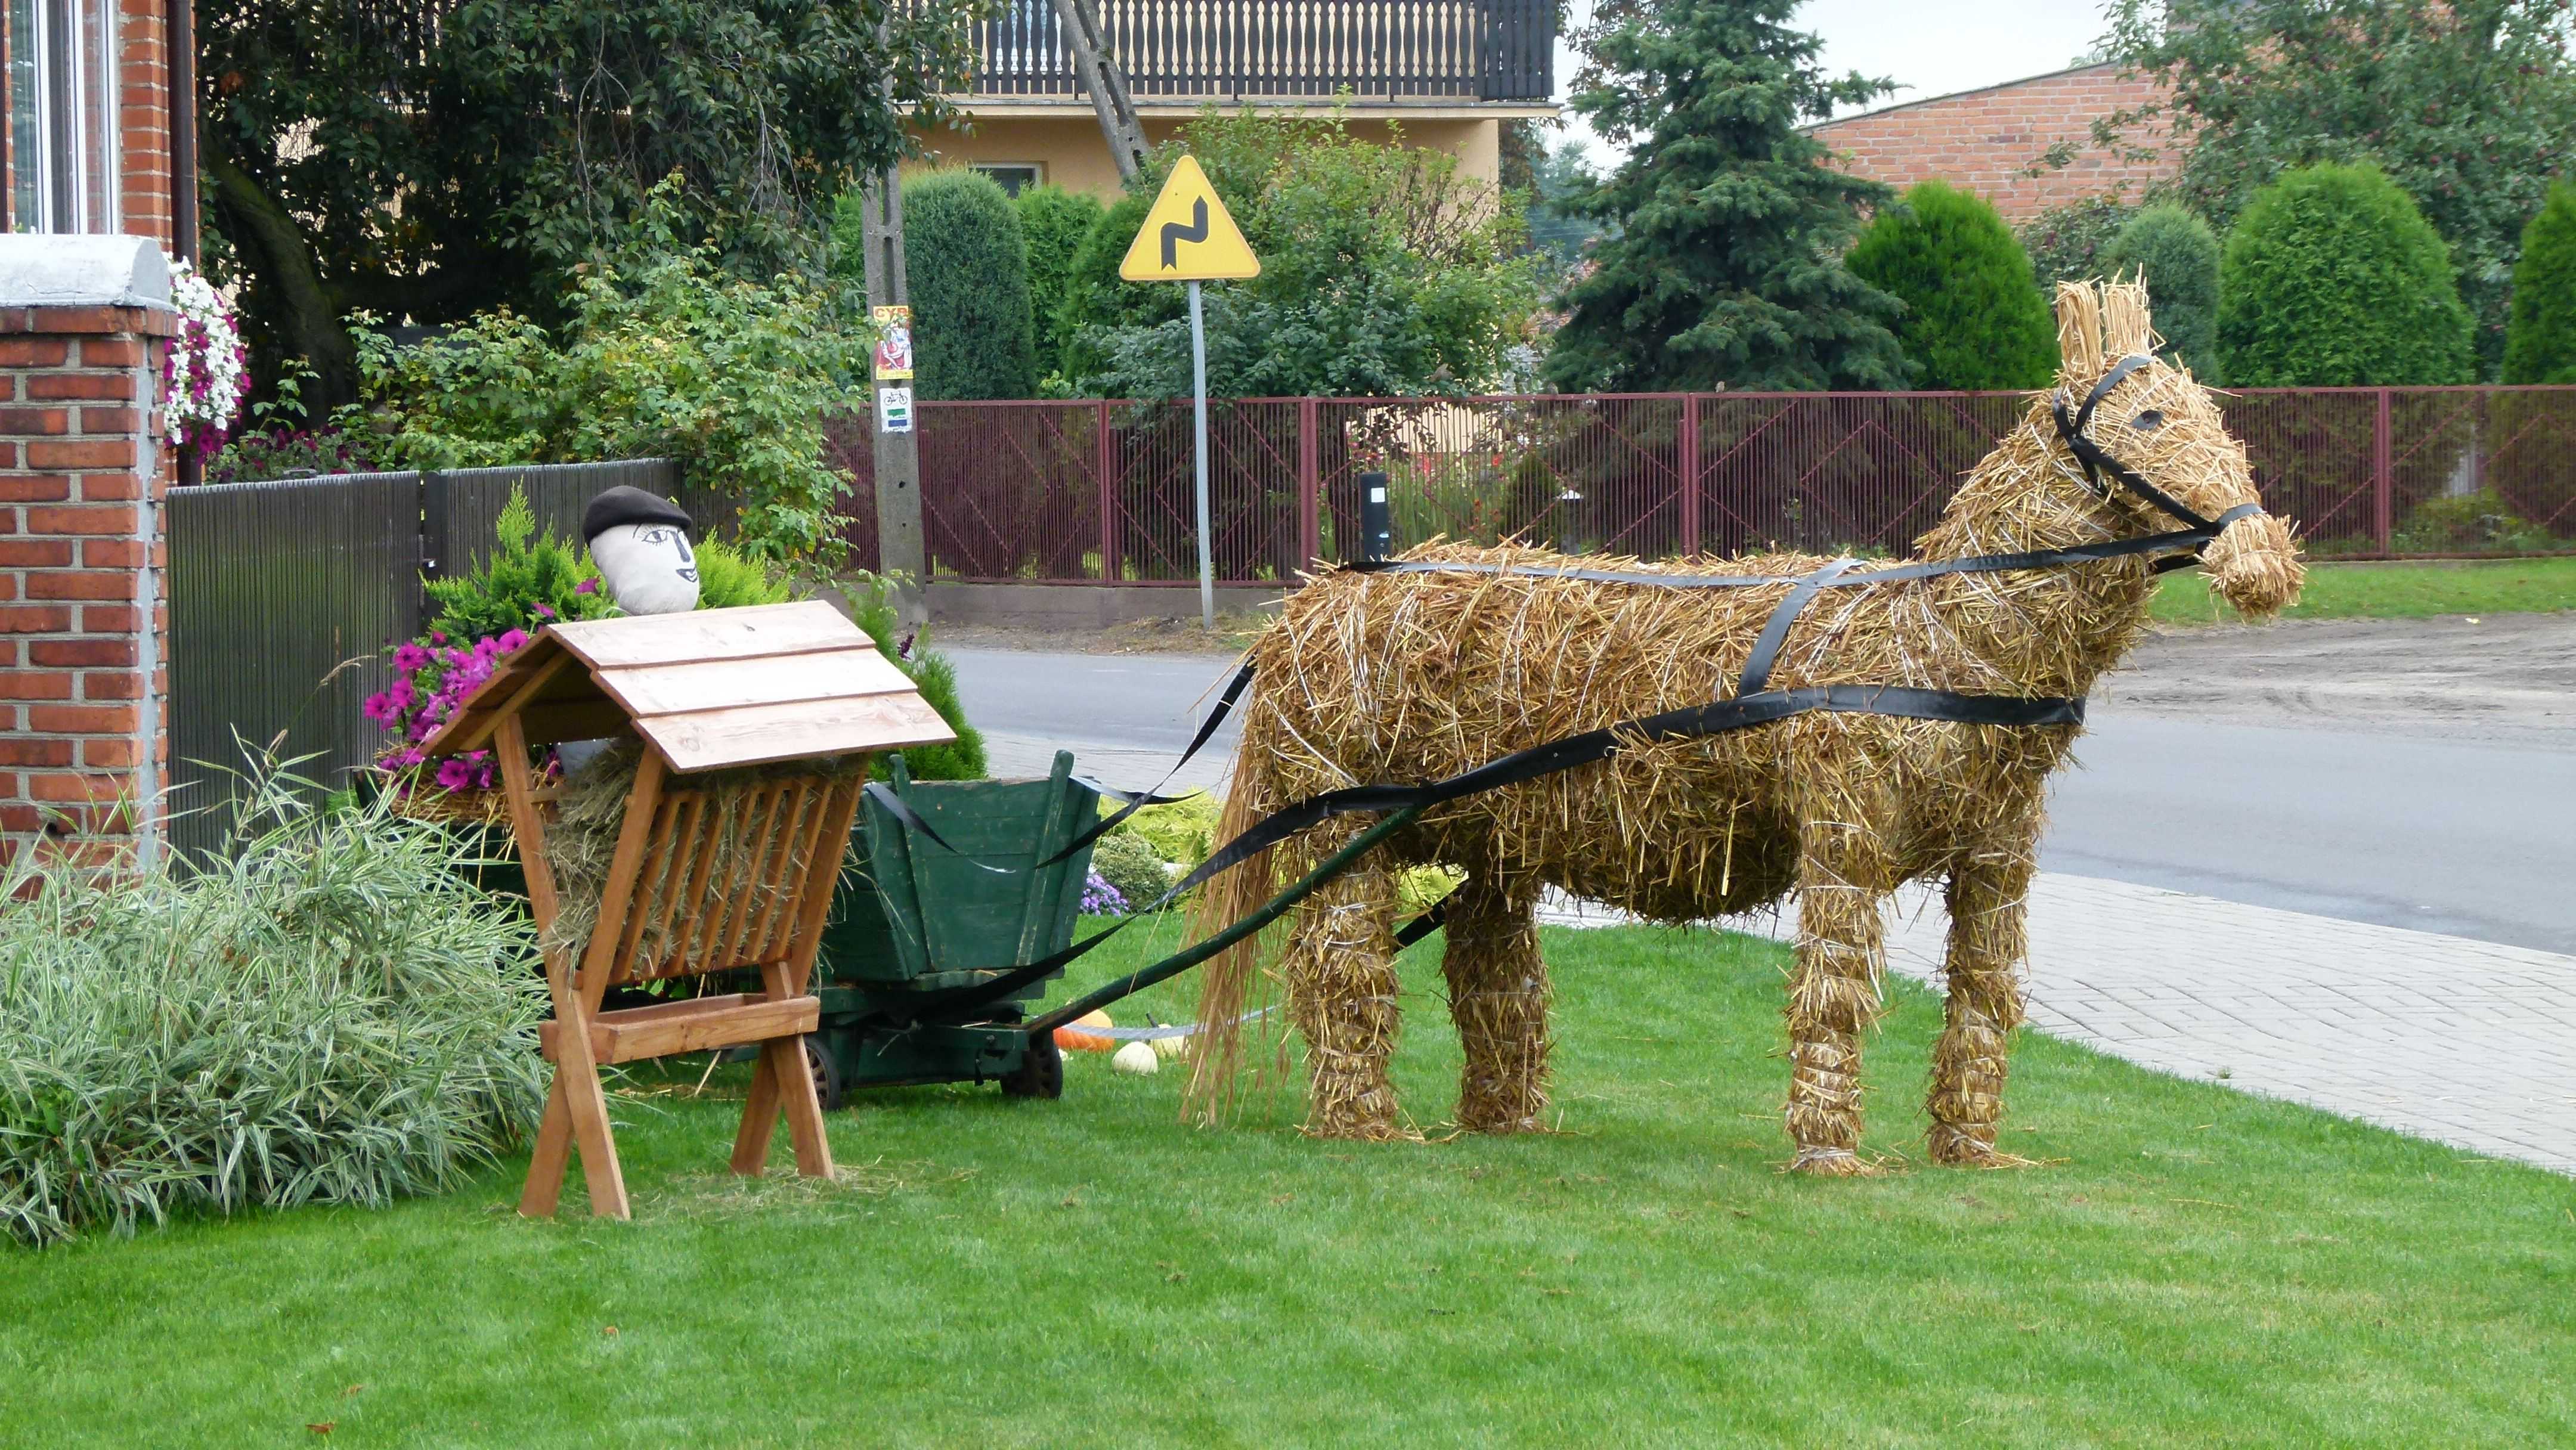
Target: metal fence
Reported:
[(284, 596), (1101, 491)]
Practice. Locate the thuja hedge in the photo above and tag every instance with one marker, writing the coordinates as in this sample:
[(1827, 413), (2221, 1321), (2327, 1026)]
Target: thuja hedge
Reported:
[(2540, 342), (2332, 278), (2177, 255), (1973, 315)]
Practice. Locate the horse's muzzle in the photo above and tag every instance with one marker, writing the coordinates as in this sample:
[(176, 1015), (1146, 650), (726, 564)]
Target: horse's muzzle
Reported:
[(2254, 565)]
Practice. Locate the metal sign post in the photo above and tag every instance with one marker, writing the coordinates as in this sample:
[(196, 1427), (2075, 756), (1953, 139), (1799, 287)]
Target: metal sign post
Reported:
[(1188, 215), (1198, 389)]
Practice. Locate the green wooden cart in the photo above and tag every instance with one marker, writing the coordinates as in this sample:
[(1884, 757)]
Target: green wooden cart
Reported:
[(916, 927)]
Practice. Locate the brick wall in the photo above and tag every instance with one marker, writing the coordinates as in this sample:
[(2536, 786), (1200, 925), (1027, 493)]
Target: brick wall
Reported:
[(81, 468), (143, 120), (1983, 140)]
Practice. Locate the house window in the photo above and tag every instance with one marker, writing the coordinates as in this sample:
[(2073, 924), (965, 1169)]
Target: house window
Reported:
[(62, 115), (1013, 175)]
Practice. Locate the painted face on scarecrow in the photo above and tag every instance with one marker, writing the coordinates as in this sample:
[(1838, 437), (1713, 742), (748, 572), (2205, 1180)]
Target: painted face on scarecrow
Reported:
[(641, 543)]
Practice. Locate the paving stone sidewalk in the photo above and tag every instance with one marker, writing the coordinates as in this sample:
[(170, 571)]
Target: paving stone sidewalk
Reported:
[(2464, 1042)]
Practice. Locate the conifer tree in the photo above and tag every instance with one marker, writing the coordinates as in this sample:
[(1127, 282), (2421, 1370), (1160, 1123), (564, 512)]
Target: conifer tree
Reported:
[(2540, 342), (1973, 318), (1725, 266)]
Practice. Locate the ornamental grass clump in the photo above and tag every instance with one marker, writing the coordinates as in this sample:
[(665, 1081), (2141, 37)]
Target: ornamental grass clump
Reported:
[(333, 1014)]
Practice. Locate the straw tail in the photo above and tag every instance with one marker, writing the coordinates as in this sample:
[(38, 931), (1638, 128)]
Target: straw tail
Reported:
[(1228, 981)]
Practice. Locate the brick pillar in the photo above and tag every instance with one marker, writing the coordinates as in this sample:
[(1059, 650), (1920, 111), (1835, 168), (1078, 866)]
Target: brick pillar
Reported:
[(83, 324)]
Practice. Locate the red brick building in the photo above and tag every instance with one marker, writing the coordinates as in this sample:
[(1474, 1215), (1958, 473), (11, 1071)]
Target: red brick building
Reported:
[(87, 152), (1987, 141)]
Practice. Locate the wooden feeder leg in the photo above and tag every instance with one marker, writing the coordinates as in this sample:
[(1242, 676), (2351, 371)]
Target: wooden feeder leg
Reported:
[(781, 1081), (553, 1155), (577, 1078)]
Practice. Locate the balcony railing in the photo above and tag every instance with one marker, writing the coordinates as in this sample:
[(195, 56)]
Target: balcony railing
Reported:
[(1223, 50)]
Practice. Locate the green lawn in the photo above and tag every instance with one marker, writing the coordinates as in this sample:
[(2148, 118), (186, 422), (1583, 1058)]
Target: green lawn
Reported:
[(2194, 1267), (2393, 591)]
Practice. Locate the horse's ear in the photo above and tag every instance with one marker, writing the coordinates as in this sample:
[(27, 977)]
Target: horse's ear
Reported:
[(2125, 327), (2079, 330)]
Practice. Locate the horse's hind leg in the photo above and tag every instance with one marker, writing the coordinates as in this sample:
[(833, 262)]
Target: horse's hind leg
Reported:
[(1989, 939), (1498, 993), (1339, 971), (1834, 995)]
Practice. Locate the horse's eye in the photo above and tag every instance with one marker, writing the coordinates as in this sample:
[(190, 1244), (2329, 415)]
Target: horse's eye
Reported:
[(2148, 421)]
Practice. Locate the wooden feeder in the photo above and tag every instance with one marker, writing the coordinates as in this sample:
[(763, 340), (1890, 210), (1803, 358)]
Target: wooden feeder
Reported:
[(708, 690)]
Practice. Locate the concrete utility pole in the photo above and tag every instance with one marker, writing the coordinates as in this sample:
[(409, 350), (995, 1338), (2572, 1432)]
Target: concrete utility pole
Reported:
[(898, 455), (1107, 85)]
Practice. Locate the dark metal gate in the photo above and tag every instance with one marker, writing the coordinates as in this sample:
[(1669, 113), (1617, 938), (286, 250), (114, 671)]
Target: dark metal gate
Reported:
[(283, 597)]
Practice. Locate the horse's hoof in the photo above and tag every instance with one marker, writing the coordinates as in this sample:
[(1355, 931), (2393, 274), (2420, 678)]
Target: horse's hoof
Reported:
[(1832, 1163)]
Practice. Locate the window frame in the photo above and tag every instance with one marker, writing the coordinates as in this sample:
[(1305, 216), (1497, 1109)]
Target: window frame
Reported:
[(65, 86)]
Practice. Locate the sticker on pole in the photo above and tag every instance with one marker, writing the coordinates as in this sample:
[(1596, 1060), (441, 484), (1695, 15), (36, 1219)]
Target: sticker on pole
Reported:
[(1188, 237), (894, 410)]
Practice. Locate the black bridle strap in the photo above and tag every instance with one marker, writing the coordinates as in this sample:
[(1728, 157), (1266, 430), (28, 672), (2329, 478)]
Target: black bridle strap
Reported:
[(2097, 461)]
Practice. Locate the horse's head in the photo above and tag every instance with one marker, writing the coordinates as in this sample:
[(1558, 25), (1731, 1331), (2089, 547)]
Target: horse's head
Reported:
[(2142, 414)]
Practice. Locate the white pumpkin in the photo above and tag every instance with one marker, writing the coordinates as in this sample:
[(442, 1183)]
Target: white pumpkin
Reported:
[(1137, 1058)]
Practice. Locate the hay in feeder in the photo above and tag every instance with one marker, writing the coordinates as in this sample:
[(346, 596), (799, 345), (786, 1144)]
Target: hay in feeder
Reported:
[(1419, 676), (581, 841)]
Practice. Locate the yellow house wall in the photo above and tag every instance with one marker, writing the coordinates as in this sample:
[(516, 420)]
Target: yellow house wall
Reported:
[(1072, 154)]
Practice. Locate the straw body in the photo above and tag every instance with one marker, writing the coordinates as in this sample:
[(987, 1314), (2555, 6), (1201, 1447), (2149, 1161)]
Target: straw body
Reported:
[(1418, 676)]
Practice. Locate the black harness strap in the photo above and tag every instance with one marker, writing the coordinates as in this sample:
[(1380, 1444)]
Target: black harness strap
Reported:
[(1775, 630), (1715, 718)]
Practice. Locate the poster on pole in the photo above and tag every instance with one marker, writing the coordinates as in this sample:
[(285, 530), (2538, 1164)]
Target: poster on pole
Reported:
[(893, 357)]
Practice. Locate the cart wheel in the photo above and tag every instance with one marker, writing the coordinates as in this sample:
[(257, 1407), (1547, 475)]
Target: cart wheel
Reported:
[(1041, 1071), (826, 1071)]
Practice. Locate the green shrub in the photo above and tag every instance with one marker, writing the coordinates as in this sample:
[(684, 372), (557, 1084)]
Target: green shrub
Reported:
[(1973, 315), (2177, 254), (2470, 523), (872, 606), (1132, 866), (2332, 278), (967, 269), (1183, 833), (1054, 223), (2540, 341), (334, 1015), (1096, 298), (664, 354), (1385, 272), (2065, 243)]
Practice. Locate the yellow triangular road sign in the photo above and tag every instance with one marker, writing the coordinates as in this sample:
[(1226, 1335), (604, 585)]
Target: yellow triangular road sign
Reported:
[(1188, 237)]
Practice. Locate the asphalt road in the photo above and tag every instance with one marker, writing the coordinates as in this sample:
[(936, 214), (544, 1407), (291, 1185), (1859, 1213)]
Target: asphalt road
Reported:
[(2475, 840)]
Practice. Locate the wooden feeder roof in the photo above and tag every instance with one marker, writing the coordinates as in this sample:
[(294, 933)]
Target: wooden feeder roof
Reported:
[(709, 689)]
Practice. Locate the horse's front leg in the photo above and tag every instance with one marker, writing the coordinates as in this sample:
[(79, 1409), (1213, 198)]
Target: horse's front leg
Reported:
[(1498, 995), (1989, 939), (1833, 996), (1339, 971)]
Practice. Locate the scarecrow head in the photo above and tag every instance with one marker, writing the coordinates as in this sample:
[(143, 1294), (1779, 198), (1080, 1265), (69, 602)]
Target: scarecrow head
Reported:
[(641, 543)]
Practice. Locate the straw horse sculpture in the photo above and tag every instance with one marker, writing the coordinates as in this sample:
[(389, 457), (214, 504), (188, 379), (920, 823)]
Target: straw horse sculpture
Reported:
[(1412, 676)]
